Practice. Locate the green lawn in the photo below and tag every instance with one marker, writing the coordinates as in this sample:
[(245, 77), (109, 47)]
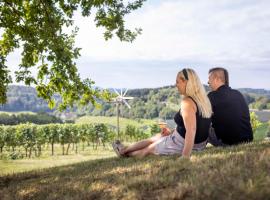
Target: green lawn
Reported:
[(140, 123), (238, 172), (261, 132), (17, 113), (143, 124), (8, 166)]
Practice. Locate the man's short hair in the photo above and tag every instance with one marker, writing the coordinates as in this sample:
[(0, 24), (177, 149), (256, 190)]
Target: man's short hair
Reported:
[(221, 73)]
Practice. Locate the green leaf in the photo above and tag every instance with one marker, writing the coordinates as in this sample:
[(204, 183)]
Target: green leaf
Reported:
[(38, 28)]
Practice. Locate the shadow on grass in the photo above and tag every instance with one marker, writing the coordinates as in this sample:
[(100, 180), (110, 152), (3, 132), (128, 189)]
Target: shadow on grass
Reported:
[(149, 178)]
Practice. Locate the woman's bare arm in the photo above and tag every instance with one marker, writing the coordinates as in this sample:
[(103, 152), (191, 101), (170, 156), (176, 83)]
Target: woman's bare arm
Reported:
[(188, 111)]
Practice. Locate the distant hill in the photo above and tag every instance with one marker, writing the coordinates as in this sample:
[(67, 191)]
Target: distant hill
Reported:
[(147, 103), (23, 98), (259, 92)]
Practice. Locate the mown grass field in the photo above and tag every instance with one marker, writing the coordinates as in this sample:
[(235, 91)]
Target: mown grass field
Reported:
[(143, 124), (238, 172), (16, 113), (9, 166), (140, 123)]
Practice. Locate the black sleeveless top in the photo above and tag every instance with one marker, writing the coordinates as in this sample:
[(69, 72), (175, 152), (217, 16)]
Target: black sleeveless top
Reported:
[(202, 125)]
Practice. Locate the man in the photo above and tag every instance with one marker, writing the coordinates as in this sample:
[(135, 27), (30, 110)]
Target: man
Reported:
[(231, 118)]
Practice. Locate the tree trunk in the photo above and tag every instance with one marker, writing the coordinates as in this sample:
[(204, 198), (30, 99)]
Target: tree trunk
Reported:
[(36, 154), (104, 146), (63, 149), (30, 152), (26, 152), (39, 150), (67, 148), (52, 149)]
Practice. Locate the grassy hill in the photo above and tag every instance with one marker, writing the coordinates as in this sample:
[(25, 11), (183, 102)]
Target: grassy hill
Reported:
[(112, 121), (17, 113), (238, 172)]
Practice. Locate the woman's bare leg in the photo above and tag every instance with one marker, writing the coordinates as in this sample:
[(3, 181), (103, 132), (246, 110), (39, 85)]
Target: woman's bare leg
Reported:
[(140, 145), (150, 149)]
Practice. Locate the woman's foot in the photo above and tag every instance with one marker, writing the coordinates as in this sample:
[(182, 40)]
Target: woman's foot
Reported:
[(118, 147)]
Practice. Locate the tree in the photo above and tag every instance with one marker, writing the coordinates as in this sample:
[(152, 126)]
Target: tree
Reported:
[(37, 26), (2, 138), (155, 129), (130, 131), (167, 113), (268, 130), (255, 123)]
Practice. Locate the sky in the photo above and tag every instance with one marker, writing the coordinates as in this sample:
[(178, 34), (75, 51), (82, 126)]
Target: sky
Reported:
[(177, 34)]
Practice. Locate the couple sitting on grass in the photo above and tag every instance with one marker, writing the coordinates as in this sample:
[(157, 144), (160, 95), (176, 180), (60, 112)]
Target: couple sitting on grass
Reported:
[(224, 107)]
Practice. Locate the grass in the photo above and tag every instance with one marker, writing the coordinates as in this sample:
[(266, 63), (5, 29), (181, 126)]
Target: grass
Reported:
[(237, 172), (140, 123), (261, 132), (17, 113), (9, 167)]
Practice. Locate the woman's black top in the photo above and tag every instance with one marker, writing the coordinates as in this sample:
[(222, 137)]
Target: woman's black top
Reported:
[(202, 125)]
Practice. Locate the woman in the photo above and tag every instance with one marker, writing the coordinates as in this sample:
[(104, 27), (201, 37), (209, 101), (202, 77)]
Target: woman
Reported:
[(193, 121)]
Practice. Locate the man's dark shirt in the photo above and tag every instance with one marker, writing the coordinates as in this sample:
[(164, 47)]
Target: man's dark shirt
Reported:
[(231, 119)]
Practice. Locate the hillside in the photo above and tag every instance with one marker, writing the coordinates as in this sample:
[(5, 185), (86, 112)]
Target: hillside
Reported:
[(148, 103), (141, 124), (237, 172), (22, 98), (259, 92)]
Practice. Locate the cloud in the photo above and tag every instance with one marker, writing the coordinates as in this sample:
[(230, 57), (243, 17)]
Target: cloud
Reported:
[(179, 33), (208, 30)]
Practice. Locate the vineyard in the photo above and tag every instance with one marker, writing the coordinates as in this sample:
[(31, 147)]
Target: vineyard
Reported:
[(28, 140)]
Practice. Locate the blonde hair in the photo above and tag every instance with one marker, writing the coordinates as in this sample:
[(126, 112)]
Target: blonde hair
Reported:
[(196, 91)]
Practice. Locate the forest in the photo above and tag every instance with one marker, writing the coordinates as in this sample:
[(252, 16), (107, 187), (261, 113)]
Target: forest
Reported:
[(148, 103)]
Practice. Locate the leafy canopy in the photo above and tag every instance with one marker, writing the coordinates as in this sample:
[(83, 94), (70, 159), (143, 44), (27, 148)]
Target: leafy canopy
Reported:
[(36, 27)]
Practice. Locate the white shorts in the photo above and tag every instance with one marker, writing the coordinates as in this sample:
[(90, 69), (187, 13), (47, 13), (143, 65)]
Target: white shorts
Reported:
[(174, 144)]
